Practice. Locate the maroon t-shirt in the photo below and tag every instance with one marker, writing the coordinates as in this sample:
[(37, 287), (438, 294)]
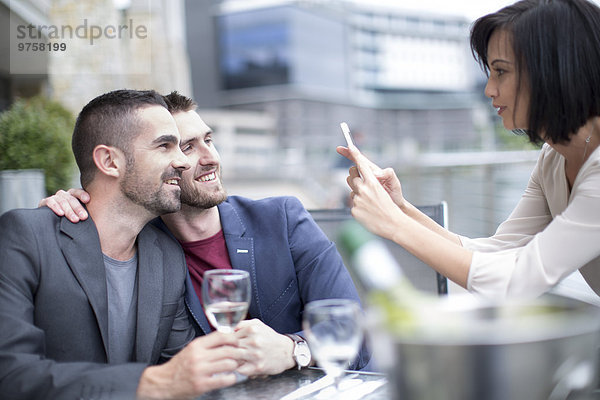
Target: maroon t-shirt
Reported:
[(204, 255)]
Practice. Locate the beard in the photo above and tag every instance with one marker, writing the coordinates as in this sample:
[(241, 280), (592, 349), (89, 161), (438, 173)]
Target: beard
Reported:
[(141, 191), (194, 197)]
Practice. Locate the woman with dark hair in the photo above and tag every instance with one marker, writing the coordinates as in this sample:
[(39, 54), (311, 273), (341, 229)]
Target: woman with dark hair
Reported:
[(542, 59)]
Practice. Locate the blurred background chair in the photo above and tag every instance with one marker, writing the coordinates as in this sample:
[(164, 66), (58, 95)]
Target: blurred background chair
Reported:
[(420, 274)]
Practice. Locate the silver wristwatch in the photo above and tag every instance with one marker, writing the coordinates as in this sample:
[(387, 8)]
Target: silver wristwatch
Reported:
[(301, 351)]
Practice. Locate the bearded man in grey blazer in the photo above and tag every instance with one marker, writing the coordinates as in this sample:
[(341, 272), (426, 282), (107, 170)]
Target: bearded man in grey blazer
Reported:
[(87, 310)]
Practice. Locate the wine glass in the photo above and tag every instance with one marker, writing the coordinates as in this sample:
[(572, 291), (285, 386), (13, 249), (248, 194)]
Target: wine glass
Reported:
[(334, 334), (226, 297)]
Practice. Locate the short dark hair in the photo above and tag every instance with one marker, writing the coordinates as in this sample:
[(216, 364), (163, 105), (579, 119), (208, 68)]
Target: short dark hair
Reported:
[(179, 103), (109, 119), (557, 48)]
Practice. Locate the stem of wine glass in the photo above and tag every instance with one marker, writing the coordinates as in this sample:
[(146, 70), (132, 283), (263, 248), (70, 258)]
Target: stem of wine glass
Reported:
[(337, 380)]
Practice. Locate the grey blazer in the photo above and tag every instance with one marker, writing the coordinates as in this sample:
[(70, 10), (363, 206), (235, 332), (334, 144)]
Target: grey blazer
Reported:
[(54, 312)]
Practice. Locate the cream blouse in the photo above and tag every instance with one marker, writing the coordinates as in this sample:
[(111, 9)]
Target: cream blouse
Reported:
[(549, 235)]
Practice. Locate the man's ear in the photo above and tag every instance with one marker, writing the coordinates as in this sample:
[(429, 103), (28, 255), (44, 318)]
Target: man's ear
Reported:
[(109, 160)]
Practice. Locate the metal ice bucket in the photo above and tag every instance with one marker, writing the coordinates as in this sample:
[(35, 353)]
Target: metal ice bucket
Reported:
[(467, 349)]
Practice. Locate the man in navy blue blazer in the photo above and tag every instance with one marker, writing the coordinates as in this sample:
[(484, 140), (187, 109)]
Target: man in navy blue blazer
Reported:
[(290, 260)]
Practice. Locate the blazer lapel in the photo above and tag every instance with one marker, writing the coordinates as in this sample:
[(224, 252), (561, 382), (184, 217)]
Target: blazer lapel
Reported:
[(150, 294), (241, 251), (195, 307), (80, 245)]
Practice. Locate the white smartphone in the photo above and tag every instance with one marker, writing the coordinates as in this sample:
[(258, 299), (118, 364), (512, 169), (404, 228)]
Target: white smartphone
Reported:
[(347, 134)]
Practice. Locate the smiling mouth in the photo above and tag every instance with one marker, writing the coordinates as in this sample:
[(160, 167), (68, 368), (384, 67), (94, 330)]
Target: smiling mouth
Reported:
[(208, 177), (172, 182)]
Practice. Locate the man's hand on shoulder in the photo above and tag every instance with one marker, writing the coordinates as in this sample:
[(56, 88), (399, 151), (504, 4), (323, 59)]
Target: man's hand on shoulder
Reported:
[(268, 352), (206, 363), (68, 204)]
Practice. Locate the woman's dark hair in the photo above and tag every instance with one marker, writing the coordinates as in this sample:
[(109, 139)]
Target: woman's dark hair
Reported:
[(556, 44)]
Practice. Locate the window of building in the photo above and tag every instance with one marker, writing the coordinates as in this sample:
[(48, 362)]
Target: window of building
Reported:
[(253, 55)]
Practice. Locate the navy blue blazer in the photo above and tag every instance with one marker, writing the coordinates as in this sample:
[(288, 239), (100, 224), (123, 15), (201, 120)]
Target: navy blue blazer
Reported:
[(290, 260)]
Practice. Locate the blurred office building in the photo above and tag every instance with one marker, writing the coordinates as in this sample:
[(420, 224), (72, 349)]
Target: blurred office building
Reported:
[(404, 81), (400, 79)]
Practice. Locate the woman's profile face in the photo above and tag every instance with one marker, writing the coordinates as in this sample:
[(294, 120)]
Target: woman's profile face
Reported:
[(510, 101)]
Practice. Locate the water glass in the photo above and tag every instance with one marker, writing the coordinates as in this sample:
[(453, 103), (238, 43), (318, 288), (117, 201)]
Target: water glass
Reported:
[(334, 333), (226, 297)]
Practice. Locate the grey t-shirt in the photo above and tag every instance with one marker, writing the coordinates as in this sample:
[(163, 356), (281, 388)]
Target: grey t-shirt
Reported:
[(121, 278)]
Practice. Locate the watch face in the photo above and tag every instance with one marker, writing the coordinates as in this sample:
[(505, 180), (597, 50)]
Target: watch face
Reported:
[(302, 354)]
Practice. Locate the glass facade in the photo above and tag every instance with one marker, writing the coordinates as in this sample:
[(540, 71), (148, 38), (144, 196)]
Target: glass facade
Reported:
[(281, 46), (254, 51)]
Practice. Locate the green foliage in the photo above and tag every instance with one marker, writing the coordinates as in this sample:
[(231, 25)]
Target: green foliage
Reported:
[(509, 141), (36, 133)]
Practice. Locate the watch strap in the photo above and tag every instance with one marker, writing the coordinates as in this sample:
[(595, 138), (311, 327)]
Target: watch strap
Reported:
[(297, 339)]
